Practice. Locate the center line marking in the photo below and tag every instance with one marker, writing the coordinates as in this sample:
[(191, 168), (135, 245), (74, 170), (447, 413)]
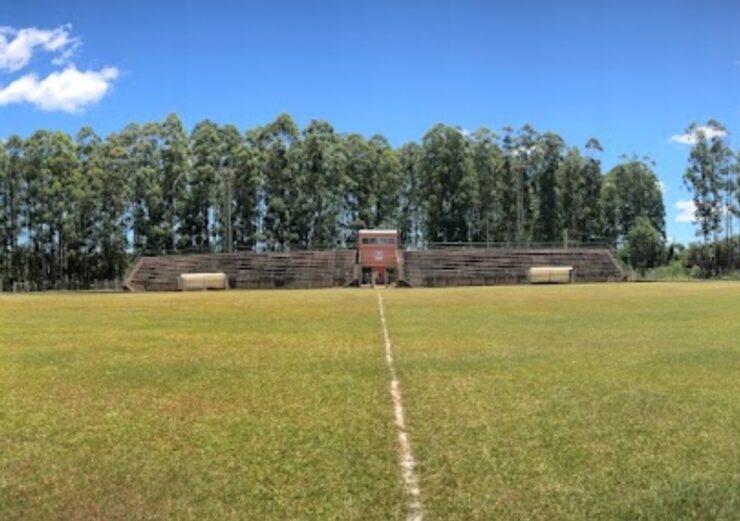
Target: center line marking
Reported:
[(406, 458)]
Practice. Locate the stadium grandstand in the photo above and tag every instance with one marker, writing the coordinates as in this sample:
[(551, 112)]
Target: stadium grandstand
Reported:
[(378, 261)]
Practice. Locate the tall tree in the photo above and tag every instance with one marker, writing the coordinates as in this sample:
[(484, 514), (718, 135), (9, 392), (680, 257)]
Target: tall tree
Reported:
[(449, 185), (508, 193), (6, 248), (590, 216), (90, 158), (321, 162), (236, 192), (361, 196), (114, 215), (372, 176), (411, 209), (201, 184), (174, 177), (487, 164), (708, 176), (547, 223), (274, 147), (631, 190), (151, 231), (13, 211), (579, 183)]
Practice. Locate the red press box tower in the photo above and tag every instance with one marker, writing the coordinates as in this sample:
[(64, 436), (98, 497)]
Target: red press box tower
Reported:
[(378, 256)]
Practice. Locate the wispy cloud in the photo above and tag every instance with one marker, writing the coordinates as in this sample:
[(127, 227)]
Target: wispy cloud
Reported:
[(17, 46), (686, 212), (68, 89), (692, 137)]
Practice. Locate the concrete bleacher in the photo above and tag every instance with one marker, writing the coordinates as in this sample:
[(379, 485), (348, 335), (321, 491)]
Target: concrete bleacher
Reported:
[(493, 266), (322, 269), (248, 270)]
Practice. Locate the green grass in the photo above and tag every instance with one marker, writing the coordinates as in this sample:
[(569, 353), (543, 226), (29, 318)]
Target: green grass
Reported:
[(580, 402), (200, 406), (577, 402)]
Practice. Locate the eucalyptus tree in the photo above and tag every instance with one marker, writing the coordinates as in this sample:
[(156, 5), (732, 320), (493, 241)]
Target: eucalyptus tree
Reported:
[(237, 191), (195, 227), (411, 201), (547, 222), (508, 197), (114, 215), (13, 211), (631, 190), (487, 164), (174, 177), (590, 215), (709, 175), (735, 188), (387, 175), (578, 181), (51, 163), (274, 148), (150, 226), (373, 184), (360, 198), (449, 186), (321, 163), (90, 158), (526, 156), (6, 248), (568, 179)]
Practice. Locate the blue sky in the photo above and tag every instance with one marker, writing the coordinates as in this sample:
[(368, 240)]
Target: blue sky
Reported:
[(631, 73)]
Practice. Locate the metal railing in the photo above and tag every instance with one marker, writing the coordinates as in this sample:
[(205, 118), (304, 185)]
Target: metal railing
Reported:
[(513, 245), (112, 285)]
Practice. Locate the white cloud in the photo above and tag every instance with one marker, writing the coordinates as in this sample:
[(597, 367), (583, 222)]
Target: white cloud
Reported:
[(70, 90), (662, 187), (67, 89), (690, 138), (18, 45), (686, 212)]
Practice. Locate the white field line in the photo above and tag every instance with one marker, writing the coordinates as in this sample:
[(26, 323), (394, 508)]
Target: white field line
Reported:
[(406, 458)]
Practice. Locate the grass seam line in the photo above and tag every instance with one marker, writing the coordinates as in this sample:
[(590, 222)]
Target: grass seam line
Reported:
[(406, 457)]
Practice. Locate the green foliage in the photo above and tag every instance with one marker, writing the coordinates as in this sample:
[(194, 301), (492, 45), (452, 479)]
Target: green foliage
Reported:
[(645, 245), (449, 188), (674, 270), (629, 191), (713, 177), (713, 259), (73, 211)]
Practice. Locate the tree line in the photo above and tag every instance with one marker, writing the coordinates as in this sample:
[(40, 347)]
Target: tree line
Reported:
[(78, 208), (713, 177)]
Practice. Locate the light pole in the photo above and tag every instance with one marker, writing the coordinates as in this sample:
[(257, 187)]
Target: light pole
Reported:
[(227, 174), (519, 160), (520, 167)]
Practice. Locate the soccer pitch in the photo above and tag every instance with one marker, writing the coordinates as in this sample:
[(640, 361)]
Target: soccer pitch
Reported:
[(580, 402)]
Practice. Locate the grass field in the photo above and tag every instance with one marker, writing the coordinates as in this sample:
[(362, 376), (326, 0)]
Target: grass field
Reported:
[(578, 402)]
